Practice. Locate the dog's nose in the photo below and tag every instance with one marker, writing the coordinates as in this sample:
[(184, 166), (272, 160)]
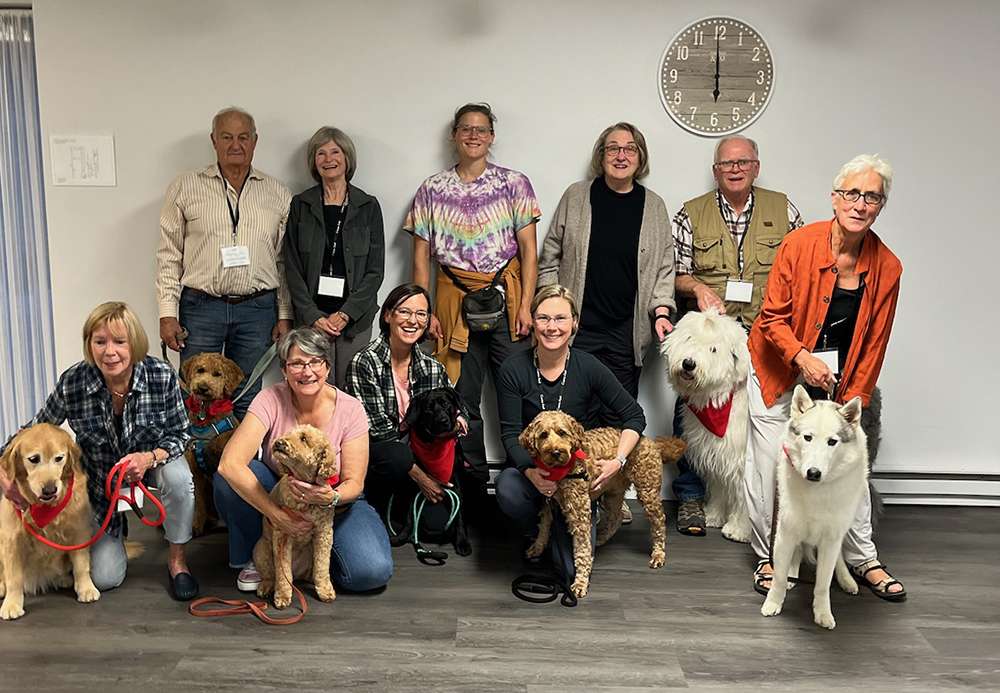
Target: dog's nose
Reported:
[(688, 364), (49, 489), (280, 445), (813, 474)]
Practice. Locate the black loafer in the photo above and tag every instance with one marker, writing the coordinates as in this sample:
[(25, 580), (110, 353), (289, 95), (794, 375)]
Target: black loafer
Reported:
[(183, 586)]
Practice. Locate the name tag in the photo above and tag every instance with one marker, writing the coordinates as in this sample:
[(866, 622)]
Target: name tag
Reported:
[(831, 357), (331, 286), (739, 292), (235, 256)]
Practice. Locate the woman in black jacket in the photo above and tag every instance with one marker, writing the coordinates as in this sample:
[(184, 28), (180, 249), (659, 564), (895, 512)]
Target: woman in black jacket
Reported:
[(334, 251)]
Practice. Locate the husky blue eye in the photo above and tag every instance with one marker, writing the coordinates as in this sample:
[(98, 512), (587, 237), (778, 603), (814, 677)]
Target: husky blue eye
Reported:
[(831, 442)]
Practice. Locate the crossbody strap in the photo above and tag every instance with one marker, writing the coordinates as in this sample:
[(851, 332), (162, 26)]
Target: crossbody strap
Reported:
[(458, 282)]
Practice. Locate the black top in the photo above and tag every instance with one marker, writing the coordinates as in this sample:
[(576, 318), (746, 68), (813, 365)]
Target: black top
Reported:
[(333, 260), (589, 385), (838, 328), (612, 279)]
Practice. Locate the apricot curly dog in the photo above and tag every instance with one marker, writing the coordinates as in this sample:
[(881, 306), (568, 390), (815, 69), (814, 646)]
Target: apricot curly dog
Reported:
[(553, 437), (304, 453)]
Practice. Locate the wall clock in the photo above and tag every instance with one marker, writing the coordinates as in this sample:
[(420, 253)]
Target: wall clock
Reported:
[(716, 76)]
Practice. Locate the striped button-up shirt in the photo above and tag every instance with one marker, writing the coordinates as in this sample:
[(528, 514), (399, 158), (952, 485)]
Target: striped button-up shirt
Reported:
[(196, 224)]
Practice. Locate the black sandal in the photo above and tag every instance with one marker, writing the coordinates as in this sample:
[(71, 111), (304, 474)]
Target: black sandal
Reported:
[(759, 576), (879, 589)]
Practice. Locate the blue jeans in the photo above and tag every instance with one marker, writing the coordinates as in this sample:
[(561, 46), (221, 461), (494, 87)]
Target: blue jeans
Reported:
[(241, 332), (687, 484), (361, 559), (521, 502)]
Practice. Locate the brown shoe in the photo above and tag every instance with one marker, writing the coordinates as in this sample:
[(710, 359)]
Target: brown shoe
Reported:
[(691, 518)]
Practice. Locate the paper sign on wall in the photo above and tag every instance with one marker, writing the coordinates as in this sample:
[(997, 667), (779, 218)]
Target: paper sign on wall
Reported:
[(83, 160)]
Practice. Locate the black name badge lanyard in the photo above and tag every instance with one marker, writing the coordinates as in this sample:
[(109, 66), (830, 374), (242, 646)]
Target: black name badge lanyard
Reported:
[(234, 213), (341, 217)]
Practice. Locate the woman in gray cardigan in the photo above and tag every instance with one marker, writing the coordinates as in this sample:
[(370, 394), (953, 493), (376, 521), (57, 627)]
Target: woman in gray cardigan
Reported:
[(334, 251), (610, 243)]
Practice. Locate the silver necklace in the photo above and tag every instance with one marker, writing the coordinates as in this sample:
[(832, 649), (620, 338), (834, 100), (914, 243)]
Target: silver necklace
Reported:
[(562, 383)]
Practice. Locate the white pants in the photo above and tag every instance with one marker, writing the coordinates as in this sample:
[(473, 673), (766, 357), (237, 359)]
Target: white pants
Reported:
[(767, 425)]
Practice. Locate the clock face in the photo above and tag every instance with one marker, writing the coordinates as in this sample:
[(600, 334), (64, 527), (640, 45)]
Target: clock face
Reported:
[(716, 76)]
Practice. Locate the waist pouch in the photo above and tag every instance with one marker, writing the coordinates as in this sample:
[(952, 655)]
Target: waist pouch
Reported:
[(484, 308)]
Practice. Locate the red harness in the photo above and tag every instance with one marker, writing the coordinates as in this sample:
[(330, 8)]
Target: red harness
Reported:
[(714, 418), (42, 513), (215, 410), (437, 456), (558, 473)]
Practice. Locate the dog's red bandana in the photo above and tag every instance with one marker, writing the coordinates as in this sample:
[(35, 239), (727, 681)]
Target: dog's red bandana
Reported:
[(217, 409), (437, 457), (333, 480), (43, 514), (557, 473), (714, 418)]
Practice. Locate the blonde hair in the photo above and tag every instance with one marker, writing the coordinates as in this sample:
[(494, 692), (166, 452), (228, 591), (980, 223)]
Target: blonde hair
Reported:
[(116, 311)]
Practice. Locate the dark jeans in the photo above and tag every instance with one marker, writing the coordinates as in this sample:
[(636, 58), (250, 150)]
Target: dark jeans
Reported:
[(521, 502), (487, 352), (621, 364), (241, 332), (687, 484)]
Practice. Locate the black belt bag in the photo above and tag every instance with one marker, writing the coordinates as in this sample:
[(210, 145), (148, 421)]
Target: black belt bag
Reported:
[(484, 308)]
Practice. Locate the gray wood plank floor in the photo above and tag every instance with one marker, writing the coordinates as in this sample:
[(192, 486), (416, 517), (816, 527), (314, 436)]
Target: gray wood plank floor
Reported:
[(694, 624)]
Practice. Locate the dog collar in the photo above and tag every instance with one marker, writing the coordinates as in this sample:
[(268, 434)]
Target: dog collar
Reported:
[(42, 514), (561, 472), (714, 417), (216, 409), (437, 457)]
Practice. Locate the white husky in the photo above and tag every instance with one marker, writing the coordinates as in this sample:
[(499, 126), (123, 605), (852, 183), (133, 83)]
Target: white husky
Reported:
[(708, 364), (822, 473)]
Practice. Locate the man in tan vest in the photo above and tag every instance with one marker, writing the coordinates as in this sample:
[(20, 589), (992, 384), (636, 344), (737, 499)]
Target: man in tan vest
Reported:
[(724, 244)]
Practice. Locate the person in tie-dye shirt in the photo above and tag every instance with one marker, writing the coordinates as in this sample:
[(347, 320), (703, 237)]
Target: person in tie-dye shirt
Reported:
[(474, 218)]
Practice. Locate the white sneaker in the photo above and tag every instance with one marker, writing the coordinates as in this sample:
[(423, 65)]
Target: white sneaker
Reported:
[(249, 579), (626, 513)]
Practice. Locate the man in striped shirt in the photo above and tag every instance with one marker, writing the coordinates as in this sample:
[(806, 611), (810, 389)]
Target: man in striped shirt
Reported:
[(220, 279)]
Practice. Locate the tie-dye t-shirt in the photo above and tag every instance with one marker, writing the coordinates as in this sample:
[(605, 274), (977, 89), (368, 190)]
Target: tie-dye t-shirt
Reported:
[(473, 226)]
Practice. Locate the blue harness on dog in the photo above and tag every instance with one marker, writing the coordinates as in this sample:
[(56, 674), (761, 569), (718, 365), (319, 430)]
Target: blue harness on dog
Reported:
[(203, 435)]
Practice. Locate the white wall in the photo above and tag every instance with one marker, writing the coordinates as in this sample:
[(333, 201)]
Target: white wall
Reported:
[(913, 81)]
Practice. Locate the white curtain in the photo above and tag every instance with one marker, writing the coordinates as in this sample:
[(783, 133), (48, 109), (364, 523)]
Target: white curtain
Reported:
[(27, 351)]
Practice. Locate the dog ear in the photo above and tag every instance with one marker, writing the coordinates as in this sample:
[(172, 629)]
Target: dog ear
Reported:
[(528, 436), (801, 401), (454, 398), (852, 411), (414, 409), (186, 366), (10, 458), (326, 460), (576, 430), (234, 376)]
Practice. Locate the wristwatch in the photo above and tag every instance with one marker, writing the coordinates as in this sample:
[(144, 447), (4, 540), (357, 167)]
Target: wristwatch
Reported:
[(621, 460), (333, 501)]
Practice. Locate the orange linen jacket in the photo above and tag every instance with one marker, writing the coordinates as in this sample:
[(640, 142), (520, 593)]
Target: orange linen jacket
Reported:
[(798, 295)]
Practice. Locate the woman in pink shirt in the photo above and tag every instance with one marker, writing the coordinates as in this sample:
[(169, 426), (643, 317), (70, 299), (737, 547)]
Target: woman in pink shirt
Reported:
[(361, 559)]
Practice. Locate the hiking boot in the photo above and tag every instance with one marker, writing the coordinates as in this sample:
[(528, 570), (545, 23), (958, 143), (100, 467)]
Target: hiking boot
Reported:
[(691, 517)]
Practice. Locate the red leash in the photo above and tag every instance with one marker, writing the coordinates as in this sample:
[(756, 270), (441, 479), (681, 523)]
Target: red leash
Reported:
[(235, 607), (116, 477)]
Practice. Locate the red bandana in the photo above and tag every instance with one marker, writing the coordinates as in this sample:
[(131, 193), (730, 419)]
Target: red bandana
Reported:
[(43, 514), (557, 473), (215, 410), (715, 419), (437, 457), (333, 480)]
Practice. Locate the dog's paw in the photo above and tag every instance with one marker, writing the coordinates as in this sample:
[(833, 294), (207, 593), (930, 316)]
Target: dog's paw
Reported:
[(11, 610), (714, 518), (535, 550), (63, 581), (265, 588), (849, 585), (85, 594), (657, 559), (464, 548), (824, 619), (580, 587), (282, 601), (770, 607), (326, 593), (734, 532)]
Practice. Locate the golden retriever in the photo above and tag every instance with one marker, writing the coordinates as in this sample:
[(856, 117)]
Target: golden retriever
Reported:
[(553, 437), (43, 461), (304, 453), (211, 378)]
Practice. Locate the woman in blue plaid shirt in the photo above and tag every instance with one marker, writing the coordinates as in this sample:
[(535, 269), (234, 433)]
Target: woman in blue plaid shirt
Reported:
[(126, 406)]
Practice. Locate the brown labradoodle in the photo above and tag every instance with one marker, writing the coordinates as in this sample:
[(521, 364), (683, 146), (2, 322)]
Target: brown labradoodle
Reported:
[(304, 453), (212, 379), (553, 437)]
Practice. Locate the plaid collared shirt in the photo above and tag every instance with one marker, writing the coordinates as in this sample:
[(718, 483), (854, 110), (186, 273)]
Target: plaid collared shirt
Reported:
[(369, 378), (737, 223), (154, 417)]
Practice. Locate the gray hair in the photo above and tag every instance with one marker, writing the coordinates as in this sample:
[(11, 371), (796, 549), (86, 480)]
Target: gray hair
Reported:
[(866, 162), (597, 155), (309, 340), (337, 136), (733, 138), (234, 110)]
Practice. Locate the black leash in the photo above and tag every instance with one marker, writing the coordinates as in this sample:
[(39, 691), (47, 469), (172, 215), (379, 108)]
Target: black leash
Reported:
[(542, 589)]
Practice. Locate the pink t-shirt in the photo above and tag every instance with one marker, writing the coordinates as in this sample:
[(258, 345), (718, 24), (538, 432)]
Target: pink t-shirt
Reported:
[(402, 388), (273, 406)]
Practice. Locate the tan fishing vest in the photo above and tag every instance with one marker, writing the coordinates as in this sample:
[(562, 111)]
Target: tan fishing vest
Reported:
[(716, 257)]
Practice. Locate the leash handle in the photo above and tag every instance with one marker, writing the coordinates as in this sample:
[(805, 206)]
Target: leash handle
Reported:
[(236, 607), (525, 587)]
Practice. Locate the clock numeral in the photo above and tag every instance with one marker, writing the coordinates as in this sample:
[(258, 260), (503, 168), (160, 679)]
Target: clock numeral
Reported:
[(699, 38), (760, 76), (714, 120), (756, 54), (741, 39), (673, 75), (736, 114), (753, 98), (677, 98), (720, 32), (694, 110), (682, 52)]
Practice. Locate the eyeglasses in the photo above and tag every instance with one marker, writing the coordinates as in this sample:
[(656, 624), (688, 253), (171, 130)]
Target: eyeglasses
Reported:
[(418, 315), (871, 198), (613, 150), (299, 366), (733, 164), (467, 130), (559, 320)]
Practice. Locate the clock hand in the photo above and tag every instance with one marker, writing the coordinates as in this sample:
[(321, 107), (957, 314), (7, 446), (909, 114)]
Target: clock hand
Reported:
[(715, 92)]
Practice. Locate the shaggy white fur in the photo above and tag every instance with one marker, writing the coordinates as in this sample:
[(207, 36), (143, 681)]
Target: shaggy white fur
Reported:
[(707, 363)]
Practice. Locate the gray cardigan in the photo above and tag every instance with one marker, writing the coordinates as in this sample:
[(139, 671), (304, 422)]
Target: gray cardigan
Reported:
[(564, 257), (364, 255)]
